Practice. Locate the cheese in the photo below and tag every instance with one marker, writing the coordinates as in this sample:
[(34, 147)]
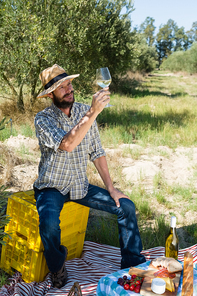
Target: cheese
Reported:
[(169, 284), (158, 286)]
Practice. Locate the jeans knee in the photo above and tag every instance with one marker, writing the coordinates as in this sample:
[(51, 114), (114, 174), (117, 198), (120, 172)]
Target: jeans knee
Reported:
[(127, 206), (49, 226)]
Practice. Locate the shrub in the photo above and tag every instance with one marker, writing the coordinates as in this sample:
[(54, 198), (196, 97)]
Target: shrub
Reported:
[(3, 123), (184, 61)]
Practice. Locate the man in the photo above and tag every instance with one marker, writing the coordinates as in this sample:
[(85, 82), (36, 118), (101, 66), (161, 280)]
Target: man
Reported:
[(68, 136)]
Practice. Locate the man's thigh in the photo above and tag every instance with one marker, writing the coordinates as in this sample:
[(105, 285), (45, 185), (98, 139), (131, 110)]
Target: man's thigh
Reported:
[(49, 200), (98, 198)]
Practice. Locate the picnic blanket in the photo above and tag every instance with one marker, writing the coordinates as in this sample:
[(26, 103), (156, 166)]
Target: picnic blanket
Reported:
[(97, 260)]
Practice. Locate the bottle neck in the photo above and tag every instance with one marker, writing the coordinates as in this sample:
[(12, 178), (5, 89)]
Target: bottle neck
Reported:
[(172, 229), (173, 222)]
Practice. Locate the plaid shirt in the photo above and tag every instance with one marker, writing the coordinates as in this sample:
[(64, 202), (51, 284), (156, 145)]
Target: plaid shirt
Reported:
[(65, 171)]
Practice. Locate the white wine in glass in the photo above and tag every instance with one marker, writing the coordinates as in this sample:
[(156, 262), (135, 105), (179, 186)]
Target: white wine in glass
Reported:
[(103, 79)]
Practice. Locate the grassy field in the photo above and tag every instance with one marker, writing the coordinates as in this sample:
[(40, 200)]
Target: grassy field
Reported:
[(160, 111)]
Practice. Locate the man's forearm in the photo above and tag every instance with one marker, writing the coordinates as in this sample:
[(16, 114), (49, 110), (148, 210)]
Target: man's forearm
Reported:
[(101, 165), (77, 133), (102, 168)]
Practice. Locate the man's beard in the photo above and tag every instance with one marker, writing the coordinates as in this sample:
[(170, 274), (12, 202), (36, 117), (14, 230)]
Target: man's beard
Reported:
[(62, 104)]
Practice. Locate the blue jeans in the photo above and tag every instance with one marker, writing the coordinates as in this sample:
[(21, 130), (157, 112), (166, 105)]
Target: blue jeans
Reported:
[(50, 201)]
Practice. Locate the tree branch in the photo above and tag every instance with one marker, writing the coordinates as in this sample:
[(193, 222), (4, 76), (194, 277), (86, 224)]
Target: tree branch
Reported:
[(10, 85)]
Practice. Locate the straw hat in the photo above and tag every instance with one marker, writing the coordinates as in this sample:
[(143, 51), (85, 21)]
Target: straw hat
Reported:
[(52, 77)]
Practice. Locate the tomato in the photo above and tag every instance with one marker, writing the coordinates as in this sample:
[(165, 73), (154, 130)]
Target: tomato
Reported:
[(137, 289), (126, 286), (132, 284), (132, 287)]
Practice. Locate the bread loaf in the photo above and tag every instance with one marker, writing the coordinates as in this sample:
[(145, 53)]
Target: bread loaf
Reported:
[(188, 276), (171, 264)]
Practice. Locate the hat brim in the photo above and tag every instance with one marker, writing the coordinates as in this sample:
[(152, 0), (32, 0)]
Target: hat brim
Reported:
[(45, 92)]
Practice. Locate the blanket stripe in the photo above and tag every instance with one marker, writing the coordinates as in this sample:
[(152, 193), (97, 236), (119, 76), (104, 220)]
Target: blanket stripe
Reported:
[(97, 260)]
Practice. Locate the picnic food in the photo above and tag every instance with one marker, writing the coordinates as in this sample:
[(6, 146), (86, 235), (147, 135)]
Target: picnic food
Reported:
[(169, 284), (158, 272), (132, 284), (163, 273), (172, 241), (167, 267), (158, 286), (170, 264), (188, 277), (167, 277)]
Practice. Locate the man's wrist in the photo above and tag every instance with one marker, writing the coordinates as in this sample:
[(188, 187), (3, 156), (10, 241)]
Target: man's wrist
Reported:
[(110, 188)]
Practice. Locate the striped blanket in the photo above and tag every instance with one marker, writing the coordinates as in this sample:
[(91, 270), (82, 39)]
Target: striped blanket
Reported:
[(96, 261)]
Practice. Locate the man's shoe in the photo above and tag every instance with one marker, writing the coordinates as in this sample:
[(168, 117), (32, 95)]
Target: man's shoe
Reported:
[(59, 279)]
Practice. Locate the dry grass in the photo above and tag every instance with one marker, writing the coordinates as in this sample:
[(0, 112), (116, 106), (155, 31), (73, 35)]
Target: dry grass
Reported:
[(115, 168), (138, 76), (7, 161), (9, 110)]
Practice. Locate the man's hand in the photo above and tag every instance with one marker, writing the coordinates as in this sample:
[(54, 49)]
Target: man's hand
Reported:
[(100, 99), (116, 195)]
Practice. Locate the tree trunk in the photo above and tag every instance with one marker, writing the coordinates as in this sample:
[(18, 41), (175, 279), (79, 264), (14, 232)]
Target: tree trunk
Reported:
[(34, 96), (20, 102), (10, 85), (34, 84), (18, 97)]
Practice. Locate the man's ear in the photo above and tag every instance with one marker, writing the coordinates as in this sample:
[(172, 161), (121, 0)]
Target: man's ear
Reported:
[(50, 95)]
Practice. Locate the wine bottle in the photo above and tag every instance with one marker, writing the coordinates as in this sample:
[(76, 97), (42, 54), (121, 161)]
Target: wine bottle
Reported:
[(172, 241)]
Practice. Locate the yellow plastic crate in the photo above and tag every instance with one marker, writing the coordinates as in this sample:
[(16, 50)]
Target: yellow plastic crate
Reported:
[(74, 243), (24, 250), (15, 255), (24, 221)]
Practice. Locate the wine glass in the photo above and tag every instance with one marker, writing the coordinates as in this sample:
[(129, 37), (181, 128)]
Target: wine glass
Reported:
[(103, 79)]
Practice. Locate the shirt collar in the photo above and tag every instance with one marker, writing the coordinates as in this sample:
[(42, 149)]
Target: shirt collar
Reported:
[(62, 114)]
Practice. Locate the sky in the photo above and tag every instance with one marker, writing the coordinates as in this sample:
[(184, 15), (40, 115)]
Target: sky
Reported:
[(183, 12)]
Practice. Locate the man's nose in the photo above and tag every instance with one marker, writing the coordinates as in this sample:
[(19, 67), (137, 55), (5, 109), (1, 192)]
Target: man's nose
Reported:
[(70, 87)]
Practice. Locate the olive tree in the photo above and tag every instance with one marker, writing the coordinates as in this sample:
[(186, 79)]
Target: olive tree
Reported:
[(80, 35), (94, 34), (25, 38)]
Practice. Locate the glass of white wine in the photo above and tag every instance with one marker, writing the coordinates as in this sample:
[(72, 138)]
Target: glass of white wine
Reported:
[(103, 79)]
